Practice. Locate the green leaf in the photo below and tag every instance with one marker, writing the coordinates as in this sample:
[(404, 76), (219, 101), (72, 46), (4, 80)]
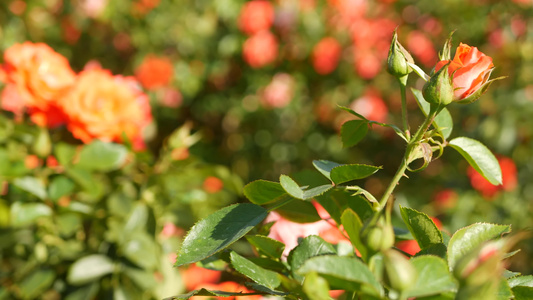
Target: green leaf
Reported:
[(443, 121), (102, 156), (31, 185), (267, 246), (23, 214), (353, 225), (360, 116), (421, 227), (316, 287), (89, 268), (522, 292), (343, 272), (310, 246), (504, 291), (60, 186), (262, 192), (345, 173), (263, 289), (293, 189), (261, 276), (325, 167), (479, 157), (433, 277), (87, 292), (353, 131), (142, 250), (36, 284), (526, 280), (468, 238), (64, 153), (218, 231), (299, 211), (336, 201), (205, 292)]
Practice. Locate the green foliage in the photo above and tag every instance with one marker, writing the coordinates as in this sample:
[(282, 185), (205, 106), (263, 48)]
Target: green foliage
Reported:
[(479, 157)]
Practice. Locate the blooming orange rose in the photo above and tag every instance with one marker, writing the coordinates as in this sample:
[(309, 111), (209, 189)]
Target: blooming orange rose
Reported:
[(106, 107), (256, 15), (36, 78), (469, 69), (154, 72), (260, 49)]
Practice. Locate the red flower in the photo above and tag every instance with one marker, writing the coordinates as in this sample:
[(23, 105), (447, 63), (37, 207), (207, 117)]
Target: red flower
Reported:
[(445, 199), (487, 189), (256, 16), (326, 55), (260, 49), (213, 184), (154, 72), (195, 276)]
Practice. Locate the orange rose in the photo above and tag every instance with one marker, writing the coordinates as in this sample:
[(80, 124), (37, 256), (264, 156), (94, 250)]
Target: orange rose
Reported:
[(470, 70), (326, 55), (106, 107), (36, 78)]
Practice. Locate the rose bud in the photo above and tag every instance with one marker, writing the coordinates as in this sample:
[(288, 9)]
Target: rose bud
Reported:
[(397, 62), (379, 237), (400, 274), (469, 70), (438, 90)]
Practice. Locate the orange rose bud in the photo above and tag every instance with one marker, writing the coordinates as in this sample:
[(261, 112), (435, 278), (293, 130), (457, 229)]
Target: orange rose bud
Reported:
[(469, 70)]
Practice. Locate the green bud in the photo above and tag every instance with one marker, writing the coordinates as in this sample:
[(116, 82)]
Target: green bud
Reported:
[(379, 237), (400, 274), (438, 90), (42, 146), (397, 62)]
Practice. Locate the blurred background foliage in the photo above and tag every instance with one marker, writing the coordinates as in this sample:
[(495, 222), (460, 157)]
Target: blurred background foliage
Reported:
[(260, 109)]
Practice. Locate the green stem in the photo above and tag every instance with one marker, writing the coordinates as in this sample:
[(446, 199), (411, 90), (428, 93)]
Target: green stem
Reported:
[(403, 84), (413, 143)]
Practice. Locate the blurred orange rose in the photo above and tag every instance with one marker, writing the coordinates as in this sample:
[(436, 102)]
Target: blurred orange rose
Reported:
[(106, 107), (256, 15), (154, 72), (36, 77), (469, 70), (260, 49), (326, 55)]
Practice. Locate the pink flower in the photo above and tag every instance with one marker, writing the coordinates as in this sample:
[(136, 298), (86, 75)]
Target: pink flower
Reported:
[(289, 232), (279, 92), (422, 48), (260, 49), (371, 106)]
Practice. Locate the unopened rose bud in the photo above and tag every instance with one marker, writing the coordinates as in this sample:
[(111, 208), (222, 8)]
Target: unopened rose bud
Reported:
[(42, 146), (399, 272), (379, 237), (397, 62), (438, 90)]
